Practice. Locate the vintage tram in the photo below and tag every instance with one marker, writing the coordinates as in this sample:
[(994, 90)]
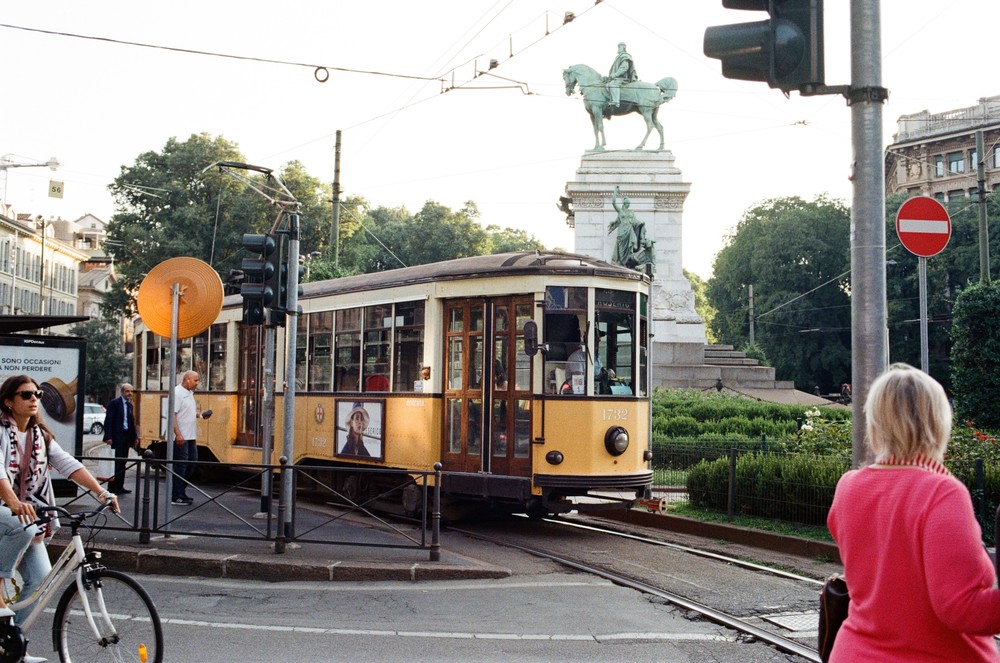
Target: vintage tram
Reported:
[(524, 374)]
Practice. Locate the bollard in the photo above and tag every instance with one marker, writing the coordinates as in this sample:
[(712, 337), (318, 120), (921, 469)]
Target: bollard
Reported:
[(147, 463), (980, 478), (731, 500), (279, 539), (436, 516)]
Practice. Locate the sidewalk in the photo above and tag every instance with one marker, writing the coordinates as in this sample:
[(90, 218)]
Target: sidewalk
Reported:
[(222, 535)]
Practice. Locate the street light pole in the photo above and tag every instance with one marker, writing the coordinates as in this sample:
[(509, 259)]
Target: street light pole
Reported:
[(7, 162)]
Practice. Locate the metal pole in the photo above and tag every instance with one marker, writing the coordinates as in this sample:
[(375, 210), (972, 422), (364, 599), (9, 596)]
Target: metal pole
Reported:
[(984, 232), (922, 276), (335, 231), (291, 332), (267, 429), (175, 296), (750, 291), (869, 348)]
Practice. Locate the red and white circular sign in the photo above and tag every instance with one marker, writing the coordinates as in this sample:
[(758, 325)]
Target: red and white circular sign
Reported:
[(923, 226)]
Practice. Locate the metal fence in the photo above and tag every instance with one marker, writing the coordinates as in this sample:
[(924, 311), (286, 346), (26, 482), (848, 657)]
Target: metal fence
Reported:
[(253, 506)]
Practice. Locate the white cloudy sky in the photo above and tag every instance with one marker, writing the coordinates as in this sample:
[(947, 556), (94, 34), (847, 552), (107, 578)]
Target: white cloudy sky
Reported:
[(95, 104)]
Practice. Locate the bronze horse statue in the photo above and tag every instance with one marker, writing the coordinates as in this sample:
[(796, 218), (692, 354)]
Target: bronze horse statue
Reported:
[(638, 97)]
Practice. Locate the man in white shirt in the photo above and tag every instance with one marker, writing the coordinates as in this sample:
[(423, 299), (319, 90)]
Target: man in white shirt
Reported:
[(185, 432)]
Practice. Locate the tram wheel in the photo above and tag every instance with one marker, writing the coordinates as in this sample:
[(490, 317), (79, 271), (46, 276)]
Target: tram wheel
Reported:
[(536, 509), (351, 488), (412, 502)]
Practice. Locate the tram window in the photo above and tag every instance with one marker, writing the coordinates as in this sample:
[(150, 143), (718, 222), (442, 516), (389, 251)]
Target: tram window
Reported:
[(378, 325), (455, 425), (320, 358), (302, 353), (476, 363), (475, 445), (616, 335), (566, 359), (199, 355), (347, 351), (217, 357), (408, 346), (152, 362), (522, 429), (455, 363), (500, 435), (522, 367)]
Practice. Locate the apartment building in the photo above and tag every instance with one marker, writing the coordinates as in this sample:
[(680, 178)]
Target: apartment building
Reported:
[(934, 154)]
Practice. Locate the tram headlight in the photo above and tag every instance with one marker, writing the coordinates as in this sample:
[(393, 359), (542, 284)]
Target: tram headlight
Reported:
[(616, 440), (554, 457)]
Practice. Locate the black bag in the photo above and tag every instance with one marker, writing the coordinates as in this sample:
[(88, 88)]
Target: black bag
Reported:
[(834, 600)]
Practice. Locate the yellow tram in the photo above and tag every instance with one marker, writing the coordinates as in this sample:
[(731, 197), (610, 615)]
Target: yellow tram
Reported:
[(524, 374)]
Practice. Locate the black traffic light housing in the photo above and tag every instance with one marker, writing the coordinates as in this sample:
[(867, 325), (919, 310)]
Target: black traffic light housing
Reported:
[(257, 287), (785, 51)]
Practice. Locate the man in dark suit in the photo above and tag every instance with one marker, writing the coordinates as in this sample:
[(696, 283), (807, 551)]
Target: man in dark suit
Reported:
[(120, 433)]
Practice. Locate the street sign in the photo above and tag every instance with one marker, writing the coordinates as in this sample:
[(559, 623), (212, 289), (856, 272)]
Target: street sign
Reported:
[(923, 226)]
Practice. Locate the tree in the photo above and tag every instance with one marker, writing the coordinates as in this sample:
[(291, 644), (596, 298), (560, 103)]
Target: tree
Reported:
[(389, 238), (955, 268), (702, 306), (796, 255), (107, 365), (169, 206), (976, 355)]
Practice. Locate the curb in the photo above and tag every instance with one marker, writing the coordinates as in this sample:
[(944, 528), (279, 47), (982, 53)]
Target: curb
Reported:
[(278, 568), (792, 545)]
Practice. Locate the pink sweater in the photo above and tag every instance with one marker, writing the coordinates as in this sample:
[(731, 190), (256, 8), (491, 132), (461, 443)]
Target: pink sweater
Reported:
[(921, 582)]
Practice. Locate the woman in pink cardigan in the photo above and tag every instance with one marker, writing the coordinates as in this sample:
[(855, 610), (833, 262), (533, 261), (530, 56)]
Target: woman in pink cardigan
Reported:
[(921, 583)]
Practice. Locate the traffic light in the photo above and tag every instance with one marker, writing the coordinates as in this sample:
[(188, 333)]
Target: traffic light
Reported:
[(257, 288), (785, 51), (280, 307)]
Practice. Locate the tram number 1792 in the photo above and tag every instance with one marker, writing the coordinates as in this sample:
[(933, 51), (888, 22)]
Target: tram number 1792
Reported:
[(615, 414)]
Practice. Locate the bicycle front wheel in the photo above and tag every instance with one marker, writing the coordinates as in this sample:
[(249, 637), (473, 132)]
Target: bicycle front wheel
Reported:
[(128, 626)]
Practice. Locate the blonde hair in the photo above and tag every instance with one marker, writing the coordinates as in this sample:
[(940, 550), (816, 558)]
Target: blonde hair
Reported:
[(907, 414)]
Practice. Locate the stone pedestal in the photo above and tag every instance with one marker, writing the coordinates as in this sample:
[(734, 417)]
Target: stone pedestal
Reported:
[(656, 193)]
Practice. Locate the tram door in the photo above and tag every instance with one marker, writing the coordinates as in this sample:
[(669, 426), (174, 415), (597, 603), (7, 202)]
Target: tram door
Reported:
[(487, 387)]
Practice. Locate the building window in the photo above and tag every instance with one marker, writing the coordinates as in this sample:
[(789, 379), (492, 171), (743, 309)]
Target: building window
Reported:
[(973, 160), (996, 158), (939, 166), (956, 162)]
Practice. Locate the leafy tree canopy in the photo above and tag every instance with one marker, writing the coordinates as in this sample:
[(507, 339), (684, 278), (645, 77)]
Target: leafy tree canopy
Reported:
[(785, 248), (702, 306), (107, 365)]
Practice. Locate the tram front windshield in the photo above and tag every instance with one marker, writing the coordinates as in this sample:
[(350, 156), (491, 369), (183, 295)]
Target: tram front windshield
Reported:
[(602, 351)]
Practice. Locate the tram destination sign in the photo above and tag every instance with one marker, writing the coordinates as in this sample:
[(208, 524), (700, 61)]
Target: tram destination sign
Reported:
[(923, 226)]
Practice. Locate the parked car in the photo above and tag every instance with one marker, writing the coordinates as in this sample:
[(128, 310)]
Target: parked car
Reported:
[(93, 418)]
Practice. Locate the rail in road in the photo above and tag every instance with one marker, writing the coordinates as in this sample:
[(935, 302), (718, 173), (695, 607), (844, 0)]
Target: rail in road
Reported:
[(752, 626)]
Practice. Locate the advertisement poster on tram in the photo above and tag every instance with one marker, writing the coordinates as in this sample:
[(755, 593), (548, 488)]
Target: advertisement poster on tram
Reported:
[(57, 364), (360, 433)]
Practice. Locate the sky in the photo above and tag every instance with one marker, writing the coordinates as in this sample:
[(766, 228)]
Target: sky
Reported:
[(418, 124)]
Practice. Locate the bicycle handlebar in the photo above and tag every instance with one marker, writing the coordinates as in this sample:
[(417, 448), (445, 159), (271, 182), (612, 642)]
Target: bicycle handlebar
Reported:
[(51, 511)]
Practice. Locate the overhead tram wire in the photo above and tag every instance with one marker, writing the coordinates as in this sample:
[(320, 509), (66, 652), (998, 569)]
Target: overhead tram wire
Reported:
[(122, 42)]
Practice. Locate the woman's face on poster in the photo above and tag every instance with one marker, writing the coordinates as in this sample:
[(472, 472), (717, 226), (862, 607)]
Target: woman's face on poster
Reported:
[(357, 423)]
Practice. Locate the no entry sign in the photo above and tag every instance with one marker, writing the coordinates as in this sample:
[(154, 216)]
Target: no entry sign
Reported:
[(923, 226)]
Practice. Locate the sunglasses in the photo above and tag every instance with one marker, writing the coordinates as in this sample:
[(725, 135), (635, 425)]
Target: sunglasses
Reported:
[(27, 395)]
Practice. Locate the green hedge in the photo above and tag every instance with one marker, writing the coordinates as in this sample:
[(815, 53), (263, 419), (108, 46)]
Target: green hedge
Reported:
[(799, 487)]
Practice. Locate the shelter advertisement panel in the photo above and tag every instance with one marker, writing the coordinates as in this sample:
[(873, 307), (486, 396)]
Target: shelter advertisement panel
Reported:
[(58, 365)]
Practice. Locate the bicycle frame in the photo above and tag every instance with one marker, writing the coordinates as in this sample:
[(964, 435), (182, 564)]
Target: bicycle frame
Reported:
[(72, 559)]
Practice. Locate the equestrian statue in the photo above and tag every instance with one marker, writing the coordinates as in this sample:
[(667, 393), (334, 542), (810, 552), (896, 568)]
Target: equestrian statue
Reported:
[(619, 93)]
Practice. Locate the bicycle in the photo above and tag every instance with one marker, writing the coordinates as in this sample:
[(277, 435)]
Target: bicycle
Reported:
[(103, 615)]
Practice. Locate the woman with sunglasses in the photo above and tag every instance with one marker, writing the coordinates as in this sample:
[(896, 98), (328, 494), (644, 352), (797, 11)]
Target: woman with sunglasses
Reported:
[(28, 452)]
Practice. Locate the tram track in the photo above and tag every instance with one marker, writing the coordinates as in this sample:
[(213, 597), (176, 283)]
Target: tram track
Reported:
[(716, 615)]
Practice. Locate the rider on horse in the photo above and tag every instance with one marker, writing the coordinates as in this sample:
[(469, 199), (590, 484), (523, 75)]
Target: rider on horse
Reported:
[(622, 71)]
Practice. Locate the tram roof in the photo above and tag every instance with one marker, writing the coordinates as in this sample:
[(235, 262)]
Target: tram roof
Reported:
[(474, 267)]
